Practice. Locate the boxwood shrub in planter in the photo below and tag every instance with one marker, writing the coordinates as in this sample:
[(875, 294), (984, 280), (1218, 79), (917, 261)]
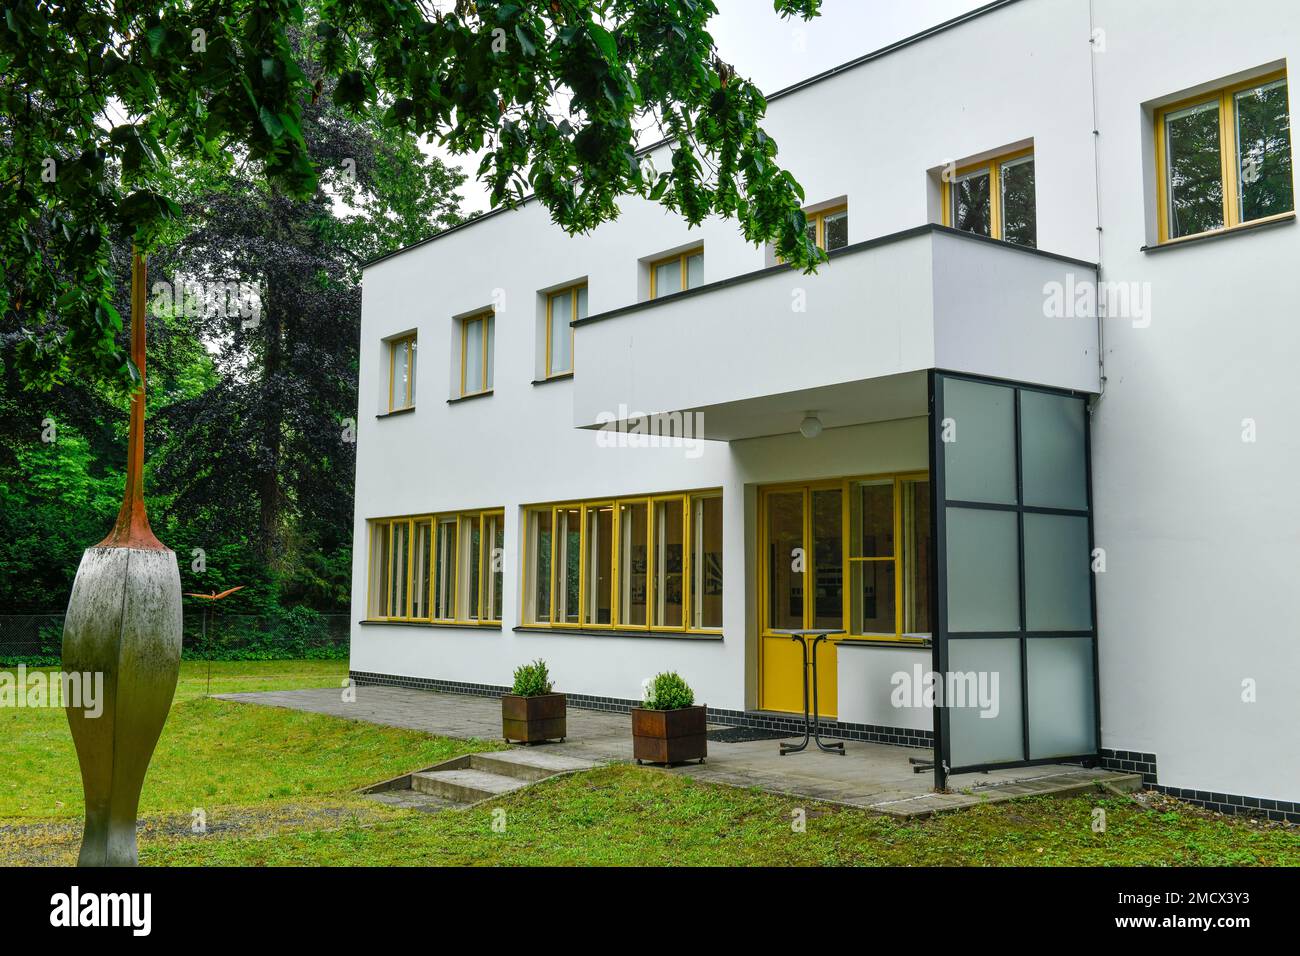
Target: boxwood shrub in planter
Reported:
[(531, 713), (670, 727)]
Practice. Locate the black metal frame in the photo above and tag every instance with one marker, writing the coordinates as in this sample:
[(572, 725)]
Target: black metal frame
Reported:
[(811, 725), (938, 574)]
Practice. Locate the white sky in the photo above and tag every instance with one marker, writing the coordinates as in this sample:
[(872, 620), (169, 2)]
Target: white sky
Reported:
[(775, 53)]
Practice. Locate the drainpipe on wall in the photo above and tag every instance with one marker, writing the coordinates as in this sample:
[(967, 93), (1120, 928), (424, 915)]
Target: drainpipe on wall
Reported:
[(1096, 171)]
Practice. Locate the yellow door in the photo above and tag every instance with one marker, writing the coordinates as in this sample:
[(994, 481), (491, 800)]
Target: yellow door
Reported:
[(802, 587)]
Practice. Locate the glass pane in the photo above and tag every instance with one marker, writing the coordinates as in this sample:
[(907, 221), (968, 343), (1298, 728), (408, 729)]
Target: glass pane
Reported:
[(1052, 450), (1062, 720), (971, 204), (400, 568), (444, 570), (582, 302), (539, 566), (695, 270), (411, 374), (1264, 183), (668, 277), (471, 568), (985, 718), (379, 571), (568, 560), (1057, 565), (871, 519), (473, 380), (915, 502), (668, 563), (983, 570), (399, 375), (496, 536), (978, 433), (1019, 220), (1195, 177), (706, 562), (828, 559), (810, 229), (600, 564), (561, 333), (872, 597), (633, 569), (786, 560), (835, 230), (489, 339), (420, 572)]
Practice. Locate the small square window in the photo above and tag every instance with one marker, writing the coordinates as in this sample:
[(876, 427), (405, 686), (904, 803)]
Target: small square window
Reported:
[(401, 373), (995, 198), (677, 273)]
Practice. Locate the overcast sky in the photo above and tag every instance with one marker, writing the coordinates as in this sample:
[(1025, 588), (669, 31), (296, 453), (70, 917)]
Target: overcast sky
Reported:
[(775, 53)]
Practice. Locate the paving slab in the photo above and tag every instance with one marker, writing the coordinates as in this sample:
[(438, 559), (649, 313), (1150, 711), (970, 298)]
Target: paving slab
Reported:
[(872, 776)]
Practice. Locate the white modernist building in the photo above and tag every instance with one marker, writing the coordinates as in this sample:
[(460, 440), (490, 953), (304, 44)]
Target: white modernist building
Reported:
[(1031, 422)]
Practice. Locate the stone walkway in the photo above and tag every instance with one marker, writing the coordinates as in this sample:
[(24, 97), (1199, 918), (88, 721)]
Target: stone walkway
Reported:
[(873, 776)]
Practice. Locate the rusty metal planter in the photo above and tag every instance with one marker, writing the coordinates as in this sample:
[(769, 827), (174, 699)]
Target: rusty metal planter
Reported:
[(531, 720), (670, 736)]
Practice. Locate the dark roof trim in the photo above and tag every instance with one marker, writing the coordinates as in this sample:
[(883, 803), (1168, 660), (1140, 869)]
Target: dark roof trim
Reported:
[(837, 254), (826, 75)]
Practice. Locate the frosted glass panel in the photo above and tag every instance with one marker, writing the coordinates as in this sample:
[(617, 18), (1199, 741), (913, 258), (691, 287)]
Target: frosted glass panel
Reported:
[(695, 271), (1061, 717), (1057, 565), (979, 432), (983, 570), (1052, 450), (984, 701), (561, 333)]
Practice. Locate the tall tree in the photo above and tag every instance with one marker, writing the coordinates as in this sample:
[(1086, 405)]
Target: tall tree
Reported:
[(101, 97)]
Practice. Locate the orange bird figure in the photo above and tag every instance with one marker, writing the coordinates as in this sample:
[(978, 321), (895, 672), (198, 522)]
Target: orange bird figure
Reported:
[(214, 596)]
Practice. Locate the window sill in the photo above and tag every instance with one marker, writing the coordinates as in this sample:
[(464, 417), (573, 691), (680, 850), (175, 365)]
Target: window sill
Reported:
[(1280, 220), (561, 377), (466, 398), (484, 626), (611, 632), (396, 411), (901, 643)]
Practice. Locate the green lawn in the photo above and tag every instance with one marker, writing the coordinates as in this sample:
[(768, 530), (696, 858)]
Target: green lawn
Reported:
[(277, 789)]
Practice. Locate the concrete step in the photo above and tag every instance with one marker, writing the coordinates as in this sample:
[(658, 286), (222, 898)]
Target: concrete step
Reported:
[(531, 765), (464, 786)]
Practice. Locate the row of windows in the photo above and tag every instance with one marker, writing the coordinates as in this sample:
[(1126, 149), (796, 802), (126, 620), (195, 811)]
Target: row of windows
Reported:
[(1223, 158), (444, 567), (651, 563)]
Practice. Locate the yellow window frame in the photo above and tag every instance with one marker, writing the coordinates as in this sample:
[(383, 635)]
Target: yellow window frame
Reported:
[(572, 292), (993, 166), (681, 258), (1224, 99), (819, 219), (406, 342), (843, 485), (433, 519), (584, 507), (481, 320)]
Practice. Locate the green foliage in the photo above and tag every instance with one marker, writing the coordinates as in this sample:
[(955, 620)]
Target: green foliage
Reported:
[(532, 680), (669, 691), (104, 105)]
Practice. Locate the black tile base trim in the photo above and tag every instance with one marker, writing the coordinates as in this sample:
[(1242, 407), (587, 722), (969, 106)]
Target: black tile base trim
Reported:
[(1130, 761), (873, 733)]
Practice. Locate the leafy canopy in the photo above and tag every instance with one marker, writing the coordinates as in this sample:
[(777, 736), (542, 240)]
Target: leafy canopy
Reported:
[(100, 99)]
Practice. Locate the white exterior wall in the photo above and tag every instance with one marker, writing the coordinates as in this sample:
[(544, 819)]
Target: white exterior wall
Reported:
[(1200, 529)]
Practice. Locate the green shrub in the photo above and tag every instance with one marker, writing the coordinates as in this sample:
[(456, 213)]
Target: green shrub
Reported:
[(532, 680), (669, 692)]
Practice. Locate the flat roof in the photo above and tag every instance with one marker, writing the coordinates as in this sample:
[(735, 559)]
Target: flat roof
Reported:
[(786, 91)]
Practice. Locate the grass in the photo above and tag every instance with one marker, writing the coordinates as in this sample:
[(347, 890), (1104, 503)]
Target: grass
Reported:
[(215, 753), (277, 789)]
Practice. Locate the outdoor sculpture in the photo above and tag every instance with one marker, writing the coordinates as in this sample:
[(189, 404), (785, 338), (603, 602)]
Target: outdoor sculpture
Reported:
[(124, 621)]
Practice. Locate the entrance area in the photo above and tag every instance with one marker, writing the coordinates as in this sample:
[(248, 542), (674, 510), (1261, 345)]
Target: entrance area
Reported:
[(847, 554)]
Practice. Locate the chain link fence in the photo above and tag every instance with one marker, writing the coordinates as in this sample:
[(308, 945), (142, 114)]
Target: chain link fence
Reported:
[(295, 634)]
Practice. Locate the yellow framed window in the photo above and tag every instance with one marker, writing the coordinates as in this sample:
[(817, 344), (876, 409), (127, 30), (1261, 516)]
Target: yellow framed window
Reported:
[(994, 198), (563, 308), (401, 372), (1223, 159), (829, 228), (677, 273), (476, 343), (625, 563), (429, 568)]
